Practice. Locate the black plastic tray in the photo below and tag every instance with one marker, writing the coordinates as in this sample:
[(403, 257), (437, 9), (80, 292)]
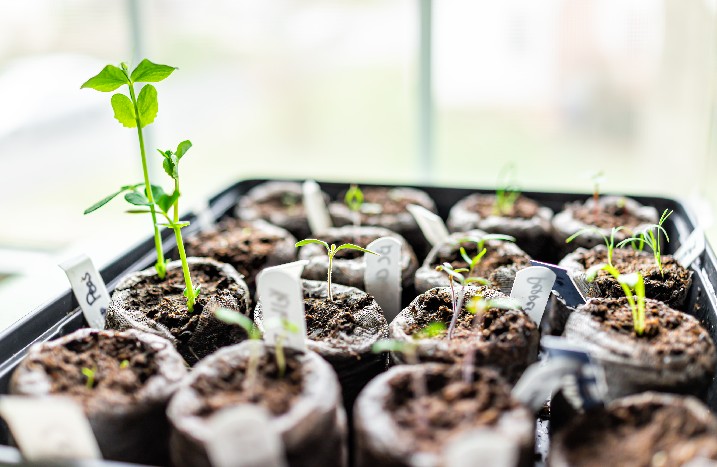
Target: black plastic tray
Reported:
[(63, 316)]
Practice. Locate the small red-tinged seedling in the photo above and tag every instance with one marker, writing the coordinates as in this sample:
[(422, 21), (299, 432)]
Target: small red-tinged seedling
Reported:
[(456, 275), (609, 242), (409, 350), (630, 283), (650, 236), (597, 178), (507, 193), (235, 318), (331, 250), (135, 111), (89, 375), (478, 306)]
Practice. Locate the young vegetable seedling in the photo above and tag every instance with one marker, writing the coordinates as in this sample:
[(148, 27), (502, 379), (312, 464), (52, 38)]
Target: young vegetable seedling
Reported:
[(234, 317), (331, 251), (609, 242), (507, 194), (89, 374), (134, 112), (457, 302), (630, 283), (409, 350), (597, 178), (480, 247), (354, 201), (478, 306), (650, 235)]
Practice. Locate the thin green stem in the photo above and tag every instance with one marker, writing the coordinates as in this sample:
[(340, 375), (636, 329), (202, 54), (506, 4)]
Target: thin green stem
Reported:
[(160, 266), (331, 264), (189, 290)]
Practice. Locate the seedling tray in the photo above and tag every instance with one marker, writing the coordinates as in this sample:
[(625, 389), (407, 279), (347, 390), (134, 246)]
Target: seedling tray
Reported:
[(62, 315)]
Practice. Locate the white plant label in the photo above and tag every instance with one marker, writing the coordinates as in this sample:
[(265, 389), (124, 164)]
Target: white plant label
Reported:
[(431, 224), (242, 436), (49, 428), (89, 289), (692, 248), (282, 301), (481, 447), (532, 288), (383, 275), (316, 211)]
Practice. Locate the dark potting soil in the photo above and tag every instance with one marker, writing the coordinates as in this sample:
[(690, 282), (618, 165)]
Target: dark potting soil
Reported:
[(450, 406), (667, 331), (485, 206), (335, 320), (237, 243), (494, 326), (228, 385), (392, 201), (608, 216), (494, 258), (121, 365), (164, 302), (288, 202), (645, 435), (667, 286), (361, 240)]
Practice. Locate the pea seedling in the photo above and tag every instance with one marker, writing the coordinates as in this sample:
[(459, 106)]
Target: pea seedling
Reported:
[(409, 349), (331, 251), (629, 283), (507, 194), (234, 317), (609, 242), (89, 377), (650, 235), (478, 306), (457, 302), (134, 112)]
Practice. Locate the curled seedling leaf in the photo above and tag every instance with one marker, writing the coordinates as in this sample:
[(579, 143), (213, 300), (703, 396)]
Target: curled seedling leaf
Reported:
[(633, 286), (609, 242), (650, 236), (89, 375)]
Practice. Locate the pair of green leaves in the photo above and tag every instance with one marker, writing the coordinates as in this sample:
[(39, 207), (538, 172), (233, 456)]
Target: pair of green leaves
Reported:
[(354, 198), (131, 111), (333, 249), (457, 275)]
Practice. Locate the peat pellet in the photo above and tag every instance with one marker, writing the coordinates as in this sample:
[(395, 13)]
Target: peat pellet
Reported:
[(506, 340), (612, 211), (500, 263), (304, 404), (644, 429), (343, 332), (673, 354), (527, 221), (134, 375), (349, 266), (249, 246), (386, 207), (671, 284), (145, 302), (396, 428), (280, 203)]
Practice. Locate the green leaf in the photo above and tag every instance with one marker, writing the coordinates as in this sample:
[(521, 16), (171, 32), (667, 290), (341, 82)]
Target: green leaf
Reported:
[(147, 104), (592, 273), (109, 79), (171, 165), (354, 198), (477, 280), (310, 241), (182, 149), (388, 345), (434, 329), (165, 202), (465, 256), (148, 72), (138, 211), (234, 317), (351, 246), (157, 192), (136, 199), (124, 110), (103, 201)]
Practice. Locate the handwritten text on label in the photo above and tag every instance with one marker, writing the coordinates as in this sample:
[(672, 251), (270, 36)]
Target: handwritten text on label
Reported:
[(89, 289), (383, 275), (282, 300)]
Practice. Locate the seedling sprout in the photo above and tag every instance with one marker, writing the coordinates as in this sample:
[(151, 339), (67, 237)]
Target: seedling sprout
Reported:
[(134, 112), (609, 242), (650, 235), (331, 251), (630, 283), (507, 193), (457, 302), (354, 200), (124, 364), (597, 178), (89, 374), (478, 306), (234, 317)]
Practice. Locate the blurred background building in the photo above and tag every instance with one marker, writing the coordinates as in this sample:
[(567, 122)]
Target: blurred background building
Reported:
[(413, 91)]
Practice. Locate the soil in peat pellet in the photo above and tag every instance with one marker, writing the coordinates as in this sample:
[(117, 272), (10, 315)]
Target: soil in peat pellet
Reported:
[(336, 320), (494, 258), (608, 216), (523, 208)]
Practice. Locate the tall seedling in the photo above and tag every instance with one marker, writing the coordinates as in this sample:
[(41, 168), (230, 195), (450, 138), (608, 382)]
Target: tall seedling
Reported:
[(650, 236), (135, 111), (630, 283), (457, 275)]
